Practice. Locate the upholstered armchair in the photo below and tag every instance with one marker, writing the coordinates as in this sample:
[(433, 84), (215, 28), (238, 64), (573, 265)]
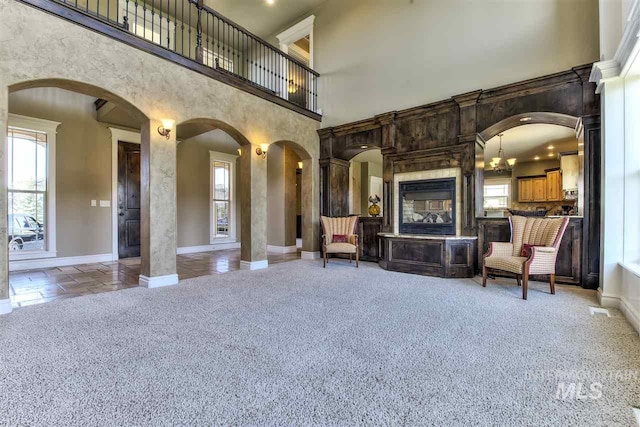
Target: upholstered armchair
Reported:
[(339, 237), (533, 250)]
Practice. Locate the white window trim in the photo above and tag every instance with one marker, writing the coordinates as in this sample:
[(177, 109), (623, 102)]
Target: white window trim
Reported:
[(51, 129), (499, 181), (296, 32), (231, 159)]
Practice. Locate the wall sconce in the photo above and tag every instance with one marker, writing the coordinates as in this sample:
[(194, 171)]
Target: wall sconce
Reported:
[(299, 165), (262, 150), (239, 151), (292, 88), (166, 128)]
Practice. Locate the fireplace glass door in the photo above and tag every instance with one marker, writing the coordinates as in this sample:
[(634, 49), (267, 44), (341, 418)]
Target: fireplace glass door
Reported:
[(428, 207)]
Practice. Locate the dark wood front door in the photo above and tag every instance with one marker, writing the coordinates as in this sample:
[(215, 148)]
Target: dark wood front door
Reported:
[(128, 200)]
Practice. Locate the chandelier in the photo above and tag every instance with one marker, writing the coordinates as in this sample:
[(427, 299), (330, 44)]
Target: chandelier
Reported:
[(500, 163)]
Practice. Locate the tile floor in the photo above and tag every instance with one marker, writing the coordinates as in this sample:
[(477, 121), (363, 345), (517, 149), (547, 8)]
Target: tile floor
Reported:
[(30, 287)]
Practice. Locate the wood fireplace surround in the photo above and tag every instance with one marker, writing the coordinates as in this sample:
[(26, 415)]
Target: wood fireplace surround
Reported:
[(451, 134)]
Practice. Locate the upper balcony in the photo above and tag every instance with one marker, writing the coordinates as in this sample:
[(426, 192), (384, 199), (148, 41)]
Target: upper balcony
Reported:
[(193, 35)]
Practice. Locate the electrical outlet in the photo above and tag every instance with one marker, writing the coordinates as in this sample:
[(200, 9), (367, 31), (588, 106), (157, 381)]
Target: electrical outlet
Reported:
[(105, 203), (94, 203)]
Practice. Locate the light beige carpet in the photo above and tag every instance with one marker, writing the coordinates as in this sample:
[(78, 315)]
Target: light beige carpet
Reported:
[(297, 344)]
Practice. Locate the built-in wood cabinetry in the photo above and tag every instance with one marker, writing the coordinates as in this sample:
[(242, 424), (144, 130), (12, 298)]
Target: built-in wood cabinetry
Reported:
[(525, 190), (541, 188), (532, 189), (554, 186)]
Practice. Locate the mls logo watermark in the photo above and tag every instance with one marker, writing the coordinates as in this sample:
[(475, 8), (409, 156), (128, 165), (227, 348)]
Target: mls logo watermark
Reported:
[(578, 391)]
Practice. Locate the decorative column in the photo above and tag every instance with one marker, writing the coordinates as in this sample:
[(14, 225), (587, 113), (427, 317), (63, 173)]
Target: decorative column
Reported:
[(310, 213), (388, 123), (604, 152), (253, 204), (158, 207), (5, 301), (472, 162), (334, 178)]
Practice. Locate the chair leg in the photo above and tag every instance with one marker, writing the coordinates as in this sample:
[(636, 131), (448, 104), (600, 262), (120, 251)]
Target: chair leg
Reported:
[(525, 283), (350, 258), (519, 279), (484, 276), (324, 259), (357, 258), (552, 282)]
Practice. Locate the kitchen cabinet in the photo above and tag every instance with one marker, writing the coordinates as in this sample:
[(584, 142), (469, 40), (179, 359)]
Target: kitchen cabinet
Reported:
[(525, 190), (554, 186), (540, 189)]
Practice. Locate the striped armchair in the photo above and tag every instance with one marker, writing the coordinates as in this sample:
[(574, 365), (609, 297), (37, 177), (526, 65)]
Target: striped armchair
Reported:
[(533, 250), (339, 236)]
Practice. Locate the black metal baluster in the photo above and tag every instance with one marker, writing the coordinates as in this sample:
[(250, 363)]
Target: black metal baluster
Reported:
[(199, 52)]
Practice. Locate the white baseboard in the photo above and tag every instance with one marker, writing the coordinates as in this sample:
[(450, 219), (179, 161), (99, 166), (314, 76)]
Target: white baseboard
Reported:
[(608, 300), (282, 249), (5, 306), (310, 255), (58, 262), (254, 265), (208, 248), (158, 281), (299, 243), (632, 315)]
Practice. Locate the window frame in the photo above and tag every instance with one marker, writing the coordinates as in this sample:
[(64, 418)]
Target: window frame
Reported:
[(50, 128), (498, 181), (231, 160)]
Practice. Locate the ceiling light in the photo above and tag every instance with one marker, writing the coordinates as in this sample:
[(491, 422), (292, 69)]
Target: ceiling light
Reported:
[(525, 119), (271, 1), (501, 163), (536, 158), (551, 154), (363, 147), (551, 147)]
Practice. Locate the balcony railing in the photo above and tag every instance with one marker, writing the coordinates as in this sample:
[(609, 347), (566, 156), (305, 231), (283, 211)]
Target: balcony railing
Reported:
[(198, 33)]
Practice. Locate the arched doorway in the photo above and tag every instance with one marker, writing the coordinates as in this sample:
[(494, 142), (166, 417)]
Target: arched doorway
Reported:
[(60, 211), (290, 195), (533, 164), (209, 191)]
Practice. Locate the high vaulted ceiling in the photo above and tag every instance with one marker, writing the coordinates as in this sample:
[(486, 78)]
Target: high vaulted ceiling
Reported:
[(261, 18)]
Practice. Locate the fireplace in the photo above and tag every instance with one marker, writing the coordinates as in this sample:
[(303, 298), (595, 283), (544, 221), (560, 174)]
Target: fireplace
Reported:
[(428, 207)]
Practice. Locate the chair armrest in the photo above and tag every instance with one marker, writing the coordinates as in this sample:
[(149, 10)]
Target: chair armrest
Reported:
[(353, 239), (542, 260), (499, 249)]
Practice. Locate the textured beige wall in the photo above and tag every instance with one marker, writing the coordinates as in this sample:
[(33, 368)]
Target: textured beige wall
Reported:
[(291, 160), (83, 167), (379, 55), (156, 88), (193, 183)]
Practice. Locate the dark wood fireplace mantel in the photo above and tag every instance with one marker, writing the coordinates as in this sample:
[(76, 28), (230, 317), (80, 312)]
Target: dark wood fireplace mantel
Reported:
[(451, 134)]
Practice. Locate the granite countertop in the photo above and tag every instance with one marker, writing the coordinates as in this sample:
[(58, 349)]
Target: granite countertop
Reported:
[(427, 236)]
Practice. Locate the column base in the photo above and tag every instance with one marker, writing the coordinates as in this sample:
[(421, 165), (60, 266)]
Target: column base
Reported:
[(310, 255), (5, 306), (254, 265), (158, 281)]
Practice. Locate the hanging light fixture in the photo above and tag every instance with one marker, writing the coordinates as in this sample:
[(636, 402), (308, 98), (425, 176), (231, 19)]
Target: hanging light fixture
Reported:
[(500, 163)]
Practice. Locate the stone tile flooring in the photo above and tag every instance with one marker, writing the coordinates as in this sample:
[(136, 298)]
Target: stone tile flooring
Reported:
[(30, 287)]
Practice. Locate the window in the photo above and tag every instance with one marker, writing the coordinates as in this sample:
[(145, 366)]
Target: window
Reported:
[(31, 187), (150, 26), (497, 194), (222, 197)]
